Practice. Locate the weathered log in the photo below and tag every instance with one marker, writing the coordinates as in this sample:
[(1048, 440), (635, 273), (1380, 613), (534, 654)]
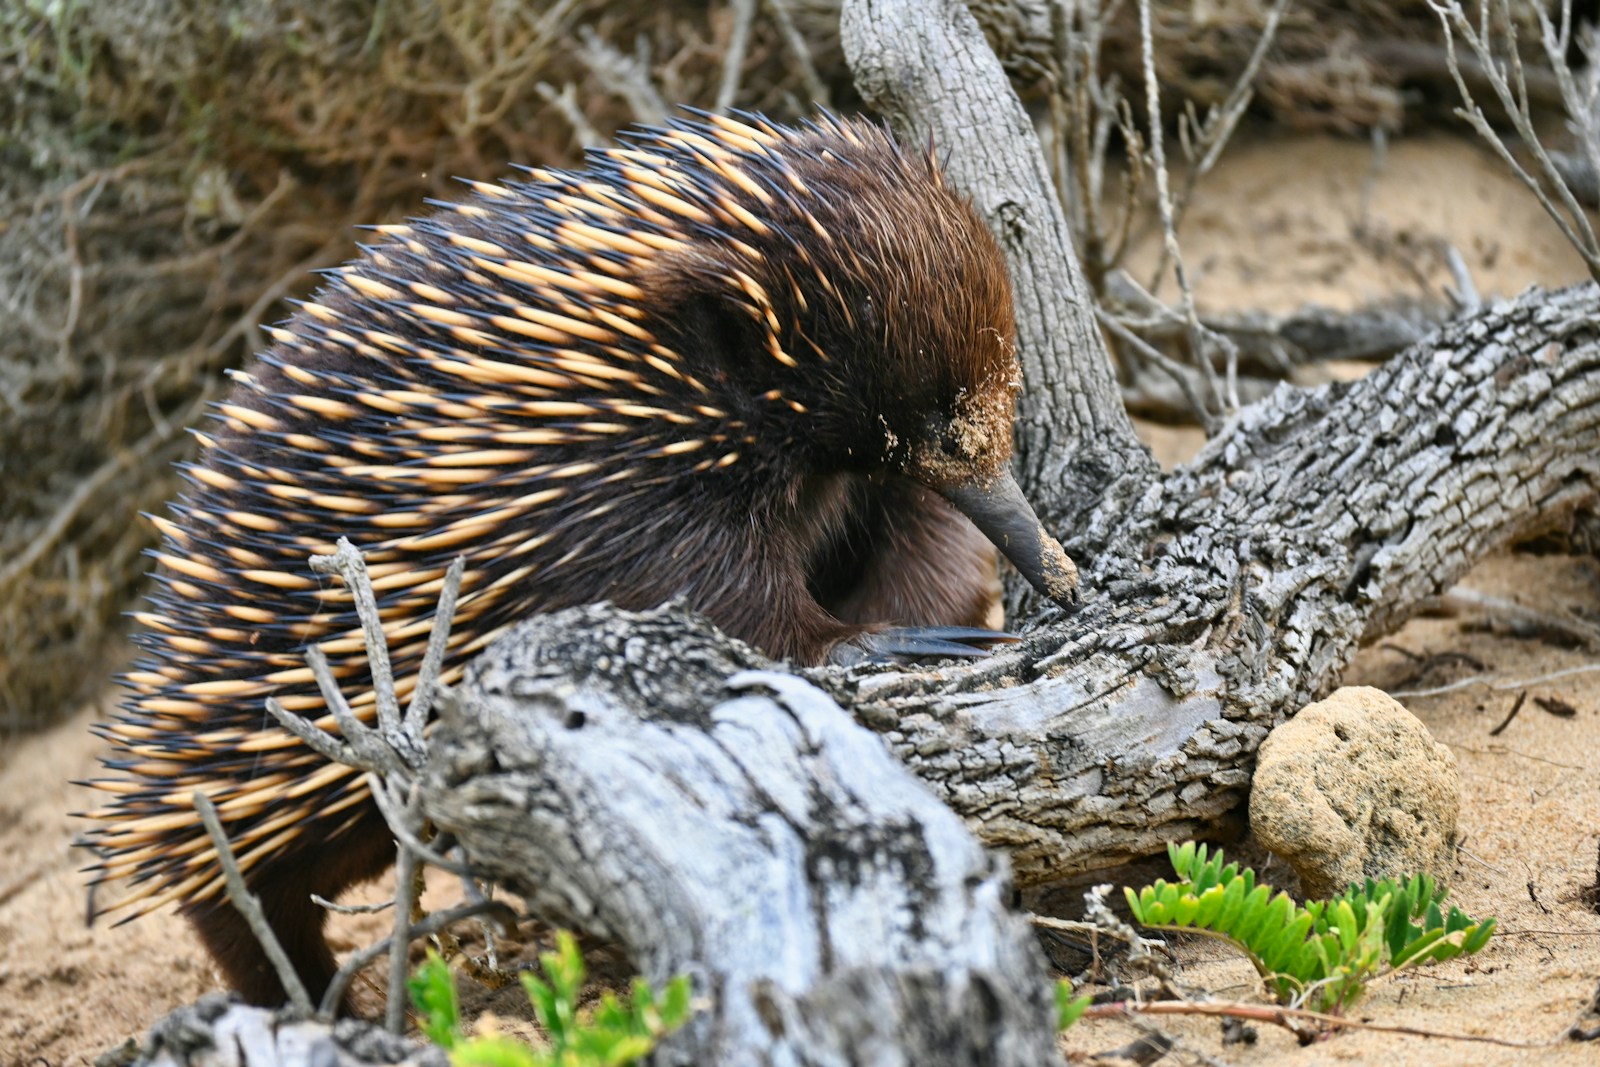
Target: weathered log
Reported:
[(604, 765), (600, 764), (632, 776), (216, 1032), (1239, 587)]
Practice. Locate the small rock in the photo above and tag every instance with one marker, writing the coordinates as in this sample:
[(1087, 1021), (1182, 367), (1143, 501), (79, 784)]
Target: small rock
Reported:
[(1354, 787)]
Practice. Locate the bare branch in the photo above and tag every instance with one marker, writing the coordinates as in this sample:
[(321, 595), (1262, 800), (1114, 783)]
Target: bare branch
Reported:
[(795, 41), (744, 13), (566, 102), (627, 76), (496, 911), (1548, 185), (1219, 399), (249, 906)]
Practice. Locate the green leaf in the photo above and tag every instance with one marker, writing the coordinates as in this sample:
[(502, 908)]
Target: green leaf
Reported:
[(433, 994), (1209, 907), (1418, 948), (1233, 898), (1341, 922), (543, 999), (1280, 948), (1326, 950), (1069, 1009), (675, 1003), (497, 1052), (614, 1034), (1182, 857)]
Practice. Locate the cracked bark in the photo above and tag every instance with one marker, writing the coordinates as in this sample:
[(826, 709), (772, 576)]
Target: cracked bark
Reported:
[(752, 834), (632, 775)]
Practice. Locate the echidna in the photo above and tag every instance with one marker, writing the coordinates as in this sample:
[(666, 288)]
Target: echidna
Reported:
[(746, 365)]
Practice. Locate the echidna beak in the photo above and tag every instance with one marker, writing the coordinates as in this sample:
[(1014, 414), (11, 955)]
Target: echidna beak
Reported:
[(1003, 514)]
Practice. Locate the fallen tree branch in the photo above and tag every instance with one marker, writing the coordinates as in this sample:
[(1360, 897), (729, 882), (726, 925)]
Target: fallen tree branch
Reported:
[(597, 762), (626, 775), (1241, 586), (1223, 597)]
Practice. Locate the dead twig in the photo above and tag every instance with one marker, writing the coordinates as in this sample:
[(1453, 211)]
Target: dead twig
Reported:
[(795, 42), (627, 76), (1511, 91), (1522, 698), (744, 13), (1214, 406), (249, 906), (1496, 683), (566, 102), (1202, 142), (1529, 620), (392, 754), (496, 911), (1557, 707)]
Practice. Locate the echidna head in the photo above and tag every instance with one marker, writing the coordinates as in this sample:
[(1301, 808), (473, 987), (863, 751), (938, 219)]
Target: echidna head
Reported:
[(863, 319), (749, 298), (857, 315)]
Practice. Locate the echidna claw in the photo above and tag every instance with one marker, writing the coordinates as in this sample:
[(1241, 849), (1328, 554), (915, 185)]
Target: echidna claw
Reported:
[(911, 644)]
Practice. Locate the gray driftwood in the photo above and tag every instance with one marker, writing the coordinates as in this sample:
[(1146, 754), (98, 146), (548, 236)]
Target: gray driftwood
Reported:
[(214, 1032), (631, 775)]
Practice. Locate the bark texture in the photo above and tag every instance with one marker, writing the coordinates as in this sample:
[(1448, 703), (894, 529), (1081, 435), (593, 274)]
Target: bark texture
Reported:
[(215, 1032), (633, 776), (642, 778), (1240, 586), (1237, 589)]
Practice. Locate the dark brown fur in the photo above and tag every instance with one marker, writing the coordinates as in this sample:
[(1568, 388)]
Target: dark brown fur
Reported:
[(753, 413)]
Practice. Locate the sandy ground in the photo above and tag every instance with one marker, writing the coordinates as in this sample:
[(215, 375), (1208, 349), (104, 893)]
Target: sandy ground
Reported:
[(1279, 224), (1530, 824)]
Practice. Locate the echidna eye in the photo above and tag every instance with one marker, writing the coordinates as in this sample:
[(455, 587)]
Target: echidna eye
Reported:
[(949, 444)]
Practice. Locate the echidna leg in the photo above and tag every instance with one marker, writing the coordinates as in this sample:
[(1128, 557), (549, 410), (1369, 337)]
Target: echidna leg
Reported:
[(326, 869), (244, 962), (922, 564)]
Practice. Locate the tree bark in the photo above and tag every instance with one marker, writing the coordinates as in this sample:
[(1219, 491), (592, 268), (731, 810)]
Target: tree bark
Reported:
[(633, 776), (1240, 586), (1236, 592)]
